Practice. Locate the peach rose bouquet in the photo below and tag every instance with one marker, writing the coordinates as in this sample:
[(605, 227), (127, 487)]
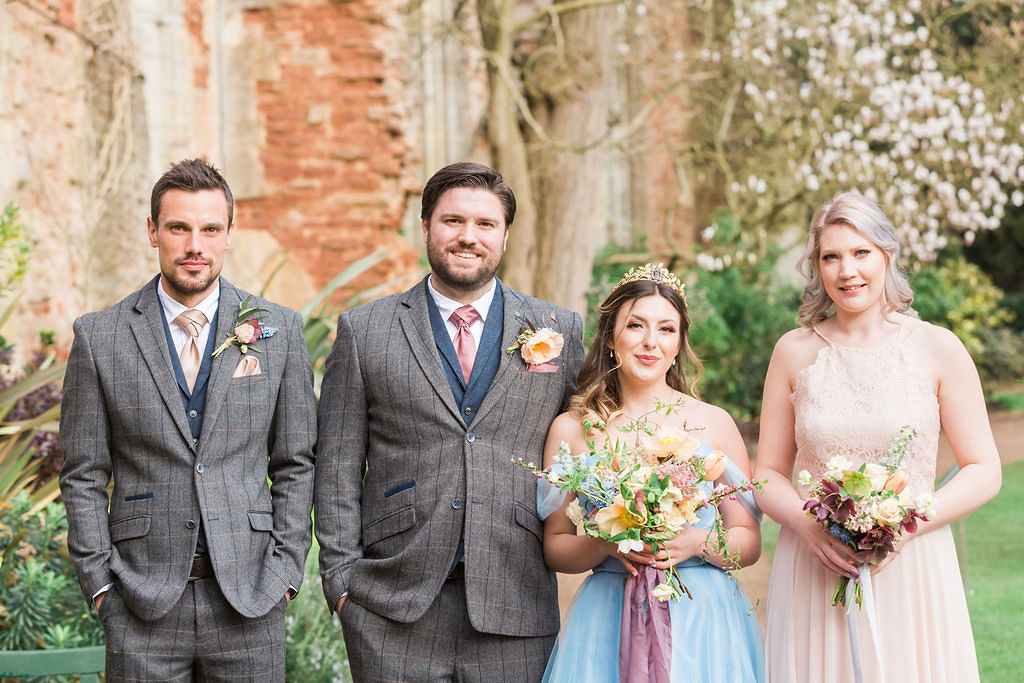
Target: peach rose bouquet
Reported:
[(867, 507), (644, 493)]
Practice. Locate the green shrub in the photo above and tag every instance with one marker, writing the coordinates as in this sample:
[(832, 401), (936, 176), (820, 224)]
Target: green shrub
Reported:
[(738, 311), (41, 605), (959, 296), (315, 647)]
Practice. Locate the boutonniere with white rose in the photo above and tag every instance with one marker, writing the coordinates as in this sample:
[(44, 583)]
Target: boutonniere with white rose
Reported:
[(539, 346), (248, 329)]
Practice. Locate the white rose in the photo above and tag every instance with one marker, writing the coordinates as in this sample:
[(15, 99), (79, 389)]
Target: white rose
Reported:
[(628, 544), (663, 592), (574, 512), (886, 511), (925, 503), (804, 478), (835, 466), (877, 474)]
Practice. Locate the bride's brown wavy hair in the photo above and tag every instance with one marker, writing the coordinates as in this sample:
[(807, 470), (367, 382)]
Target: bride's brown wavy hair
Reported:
[(600, 394)]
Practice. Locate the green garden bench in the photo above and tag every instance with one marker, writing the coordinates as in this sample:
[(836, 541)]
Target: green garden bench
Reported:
[(88, 662)]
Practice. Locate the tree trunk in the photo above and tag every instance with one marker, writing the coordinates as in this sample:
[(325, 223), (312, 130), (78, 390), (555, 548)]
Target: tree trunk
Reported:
[(505, 139), (573, 85)]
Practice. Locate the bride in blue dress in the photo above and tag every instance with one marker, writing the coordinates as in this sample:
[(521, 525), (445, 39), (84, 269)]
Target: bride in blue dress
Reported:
[(633, 368)]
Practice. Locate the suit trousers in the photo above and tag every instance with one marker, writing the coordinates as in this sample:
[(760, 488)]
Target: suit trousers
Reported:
[(202, 638), (441, 646)]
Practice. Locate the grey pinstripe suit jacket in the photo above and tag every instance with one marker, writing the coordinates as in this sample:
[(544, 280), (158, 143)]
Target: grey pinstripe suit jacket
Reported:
[(389, 536), (122, 418)]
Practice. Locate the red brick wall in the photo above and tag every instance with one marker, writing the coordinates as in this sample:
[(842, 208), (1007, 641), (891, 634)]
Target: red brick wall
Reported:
[(336, 164)]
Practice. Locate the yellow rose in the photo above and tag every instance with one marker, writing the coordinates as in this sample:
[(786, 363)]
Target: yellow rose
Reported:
[(886, 511), (877, 474), (543, 346), (616, 518), (668, 442)]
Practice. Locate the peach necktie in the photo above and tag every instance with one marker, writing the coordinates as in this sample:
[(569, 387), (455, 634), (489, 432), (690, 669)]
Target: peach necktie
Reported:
[(192, 321)]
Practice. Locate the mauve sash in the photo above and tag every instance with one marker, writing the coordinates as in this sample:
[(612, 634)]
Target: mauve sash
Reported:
[(645, 641)]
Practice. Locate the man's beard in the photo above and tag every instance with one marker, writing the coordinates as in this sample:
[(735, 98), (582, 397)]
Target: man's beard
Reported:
[(190, 285), (462, 281)]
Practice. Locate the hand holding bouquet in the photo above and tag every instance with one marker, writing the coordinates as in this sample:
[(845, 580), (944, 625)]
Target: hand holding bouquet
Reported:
[(867, 507), (645, 494)]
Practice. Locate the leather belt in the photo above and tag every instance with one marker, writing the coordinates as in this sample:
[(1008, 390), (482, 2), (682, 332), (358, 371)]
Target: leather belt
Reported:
[(458, 572), (201, 568)]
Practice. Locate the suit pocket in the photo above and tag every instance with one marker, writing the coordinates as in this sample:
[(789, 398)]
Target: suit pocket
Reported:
[(261, 520), (129, 527), (529, 520), (389, 525)]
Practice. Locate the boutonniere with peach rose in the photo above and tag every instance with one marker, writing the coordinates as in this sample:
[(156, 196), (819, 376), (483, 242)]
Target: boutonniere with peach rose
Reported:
[(539, 346), (248, 329)]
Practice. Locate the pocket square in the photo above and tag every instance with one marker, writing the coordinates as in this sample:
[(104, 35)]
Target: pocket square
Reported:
[(247, 367), (542, 367)]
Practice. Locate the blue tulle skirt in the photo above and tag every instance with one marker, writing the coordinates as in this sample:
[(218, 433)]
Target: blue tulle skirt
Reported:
[(716, 637)]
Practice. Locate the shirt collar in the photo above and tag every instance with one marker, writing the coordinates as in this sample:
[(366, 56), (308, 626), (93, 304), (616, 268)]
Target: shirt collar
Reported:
[(448, 306), (173, 308)]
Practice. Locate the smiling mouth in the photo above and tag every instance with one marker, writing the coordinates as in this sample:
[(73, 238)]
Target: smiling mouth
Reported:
[(851, 288), (465, 255), (647, 360)]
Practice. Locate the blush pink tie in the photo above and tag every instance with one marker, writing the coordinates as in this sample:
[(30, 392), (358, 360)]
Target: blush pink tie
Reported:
[(465, 347), (192, 321)]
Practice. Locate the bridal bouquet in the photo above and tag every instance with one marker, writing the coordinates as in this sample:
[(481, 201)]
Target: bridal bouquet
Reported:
[(867, 507), (641, 494)]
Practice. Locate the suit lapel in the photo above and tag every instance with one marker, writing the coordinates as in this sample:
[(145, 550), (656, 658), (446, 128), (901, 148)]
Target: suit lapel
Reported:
[(223, 366), (415, 321), (148, 329)]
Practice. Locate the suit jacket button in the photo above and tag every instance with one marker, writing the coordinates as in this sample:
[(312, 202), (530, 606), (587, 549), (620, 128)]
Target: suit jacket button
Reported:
[(457, 503), (470, 437), (195, 442), (199, 468), (192, 413), (190, 524)]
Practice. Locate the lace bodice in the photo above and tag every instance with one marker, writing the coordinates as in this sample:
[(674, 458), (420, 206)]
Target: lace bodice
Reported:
[(853, 402)]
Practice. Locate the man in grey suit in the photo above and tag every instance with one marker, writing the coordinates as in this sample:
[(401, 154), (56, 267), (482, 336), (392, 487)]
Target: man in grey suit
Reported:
[(190, 401), (430, 544)]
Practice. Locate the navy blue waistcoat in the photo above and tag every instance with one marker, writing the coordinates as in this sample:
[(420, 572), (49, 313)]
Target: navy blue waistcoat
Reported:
[(488, 356)]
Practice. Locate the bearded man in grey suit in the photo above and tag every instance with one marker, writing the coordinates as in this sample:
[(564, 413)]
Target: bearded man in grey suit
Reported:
[(192, 557), (430, 543)]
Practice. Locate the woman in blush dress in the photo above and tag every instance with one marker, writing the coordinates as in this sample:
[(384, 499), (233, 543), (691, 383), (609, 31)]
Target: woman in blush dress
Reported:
[(862, 367), (632, 368)]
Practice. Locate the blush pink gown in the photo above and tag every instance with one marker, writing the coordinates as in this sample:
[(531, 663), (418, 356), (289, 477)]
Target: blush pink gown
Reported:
[(853, 402)]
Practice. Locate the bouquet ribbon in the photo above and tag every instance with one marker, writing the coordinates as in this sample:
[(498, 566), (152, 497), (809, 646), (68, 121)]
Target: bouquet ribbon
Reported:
[(851, 622), (645, 642)]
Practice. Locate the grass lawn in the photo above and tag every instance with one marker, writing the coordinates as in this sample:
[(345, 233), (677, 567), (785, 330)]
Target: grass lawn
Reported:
[(995, 575), (995, 572)]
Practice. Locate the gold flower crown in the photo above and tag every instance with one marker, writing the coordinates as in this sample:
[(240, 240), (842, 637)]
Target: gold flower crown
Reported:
[(655, 272)]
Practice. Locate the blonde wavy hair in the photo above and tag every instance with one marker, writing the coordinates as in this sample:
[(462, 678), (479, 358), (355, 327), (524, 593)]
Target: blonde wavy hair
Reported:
[(864, 216), (600, 394)]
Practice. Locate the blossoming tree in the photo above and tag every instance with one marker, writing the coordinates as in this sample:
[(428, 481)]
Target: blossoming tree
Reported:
[(907, 102)]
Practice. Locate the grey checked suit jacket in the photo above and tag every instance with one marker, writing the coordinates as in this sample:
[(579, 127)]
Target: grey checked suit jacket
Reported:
[(398, 471), (122, 418)]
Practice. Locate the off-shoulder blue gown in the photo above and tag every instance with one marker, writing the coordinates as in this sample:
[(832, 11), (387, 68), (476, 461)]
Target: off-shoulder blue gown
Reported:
[(716, 637)]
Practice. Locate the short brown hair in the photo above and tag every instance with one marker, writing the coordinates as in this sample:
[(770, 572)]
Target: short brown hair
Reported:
[(190, 175), (467, 174)]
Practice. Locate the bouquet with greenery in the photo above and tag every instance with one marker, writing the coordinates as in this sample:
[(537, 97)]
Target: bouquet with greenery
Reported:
[(868, 507), (644, 493)]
